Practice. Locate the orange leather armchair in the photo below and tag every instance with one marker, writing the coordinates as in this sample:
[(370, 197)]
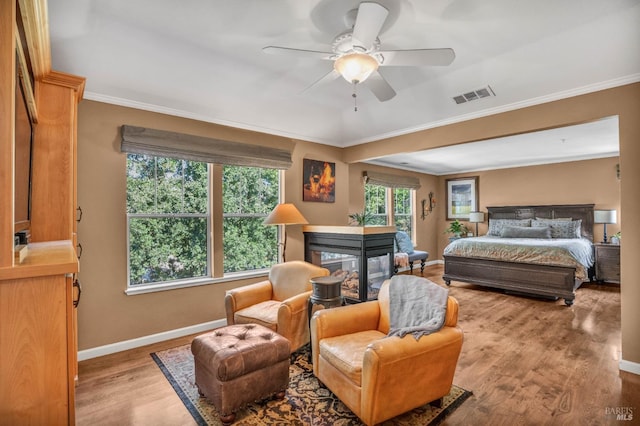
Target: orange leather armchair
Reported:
[(376, 376), (279, 303)]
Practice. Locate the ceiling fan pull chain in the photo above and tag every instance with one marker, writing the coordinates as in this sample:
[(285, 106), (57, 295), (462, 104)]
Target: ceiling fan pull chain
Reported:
[(355, 97)]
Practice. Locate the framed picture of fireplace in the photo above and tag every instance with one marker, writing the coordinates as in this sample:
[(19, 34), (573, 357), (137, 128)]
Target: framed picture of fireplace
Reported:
[(318, 181)]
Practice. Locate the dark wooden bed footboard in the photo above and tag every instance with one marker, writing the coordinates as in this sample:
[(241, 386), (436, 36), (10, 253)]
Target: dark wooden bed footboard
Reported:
[(537, 280)]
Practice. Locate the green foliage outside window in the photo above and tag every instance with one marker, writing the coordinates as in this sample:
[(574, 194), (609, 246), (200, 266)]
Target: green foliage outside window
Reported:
[(375, 198), (168, 219), (402, 209), (377, 205), (249, 195)]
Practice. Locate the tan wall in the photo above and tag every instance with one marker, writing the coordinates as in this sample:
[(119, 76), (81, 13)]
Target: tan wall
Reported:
[(106, 314), (622, 101), (579, 182)]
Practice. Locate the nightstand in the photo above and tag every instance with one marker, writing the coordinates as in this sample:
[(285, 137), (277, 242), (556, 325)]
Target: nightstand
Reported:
[(608, 262)]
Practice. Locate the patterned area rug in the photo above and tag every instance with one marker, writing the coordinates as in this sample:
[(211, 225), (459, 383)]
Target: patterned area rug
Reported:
[(307, 402)]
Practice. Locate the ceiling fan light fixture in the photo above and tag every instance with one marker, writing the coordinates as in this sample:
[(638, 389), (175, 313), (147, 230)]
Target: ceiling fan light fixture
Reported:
[(355, 67)]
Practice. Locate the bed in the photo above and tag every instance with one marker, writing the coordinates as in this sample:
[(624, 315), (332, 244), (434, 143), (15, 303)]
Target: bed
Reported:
[(552, 276)]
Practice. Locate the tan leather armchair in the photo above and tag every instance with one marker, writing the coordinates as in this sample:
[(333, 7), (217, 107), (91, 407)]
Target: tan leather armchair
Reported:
[(376, 376), (279, 303)]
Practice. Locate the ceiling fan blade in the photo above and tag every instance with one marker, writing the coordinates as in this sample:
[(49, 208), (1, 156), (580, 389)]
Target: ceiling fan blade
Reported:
[(379, 86), (330, 76), (299, 53), (416, 57), (369, 21)]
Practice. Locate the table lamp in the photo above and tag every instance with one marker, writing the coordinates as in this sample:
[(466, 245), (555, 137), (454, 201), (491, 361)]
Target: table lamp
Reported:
[(285, 214), (604, 217), (476, 217)]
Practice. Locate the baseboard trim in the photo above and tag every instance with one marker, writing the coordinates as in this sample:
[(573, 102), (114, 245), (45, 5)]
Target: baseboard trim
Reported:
[(147, 340), (631, 367)]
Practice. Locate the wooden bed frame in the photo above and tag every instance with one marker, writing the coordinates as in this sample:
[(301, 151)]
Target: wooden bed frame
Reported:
[(525, 278)]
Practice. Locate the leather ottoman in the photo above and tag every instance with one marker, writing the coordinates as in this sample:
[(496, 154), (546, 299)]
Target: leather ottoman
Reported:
[(239, 364)]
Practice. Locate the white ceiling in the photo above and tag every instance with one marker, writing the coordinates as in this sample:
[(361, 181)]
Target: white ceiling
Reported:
[(202, 59), (598, 139)]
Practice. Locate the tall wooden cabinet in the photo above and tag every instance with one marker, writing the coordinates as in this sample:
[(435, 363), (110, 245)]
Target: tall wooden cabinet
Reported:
[(38, 339)]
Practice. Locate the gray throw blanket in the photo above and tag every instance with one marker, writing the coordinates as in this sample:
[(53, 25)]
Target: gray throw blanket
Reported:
[(416, 305)]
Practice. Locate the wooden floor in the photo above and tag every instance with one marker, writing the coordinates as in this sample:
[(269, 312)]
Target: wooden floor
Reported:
[(527, 361)]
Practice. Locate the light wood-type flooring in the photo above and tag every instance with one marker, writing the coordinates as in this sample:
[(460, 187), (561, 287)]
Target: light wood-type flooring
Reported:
[(527, 361)]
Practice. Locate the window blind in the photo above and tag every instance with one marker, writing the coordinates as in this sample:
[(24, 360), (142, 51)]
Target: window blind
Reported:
[(161, 143), (391, 181)]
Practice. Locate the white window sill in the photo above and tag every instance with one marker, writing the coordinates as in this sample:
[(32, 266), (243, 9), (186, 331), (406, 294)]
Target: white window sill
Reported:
[(174, 285)]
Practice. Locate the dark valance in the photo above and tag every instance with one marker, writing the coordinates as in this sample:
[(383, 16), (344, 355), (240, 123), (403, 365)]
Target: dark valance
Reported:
[(160, 143), (391, 181)]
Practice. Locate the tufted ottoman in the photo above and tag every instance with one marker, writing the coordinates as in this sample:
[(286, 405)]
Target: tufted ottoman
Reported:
[(238, 364)]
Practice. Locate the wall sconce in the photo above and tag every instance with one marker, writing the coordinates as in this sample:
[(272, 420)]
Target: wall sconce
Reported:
[(428, 208)]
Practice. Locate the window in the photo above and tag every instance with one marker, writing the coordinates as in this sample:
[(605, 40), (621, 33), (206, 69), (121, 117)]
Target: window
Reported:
[(170, 234), (403, 209), (249, 195), (379, 200), (168, 220), (375, 198)]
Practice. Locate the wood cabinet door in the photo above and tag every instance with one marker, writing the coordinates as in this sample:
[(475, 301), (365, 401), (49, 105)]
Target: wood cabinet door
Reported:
[(33, 352)]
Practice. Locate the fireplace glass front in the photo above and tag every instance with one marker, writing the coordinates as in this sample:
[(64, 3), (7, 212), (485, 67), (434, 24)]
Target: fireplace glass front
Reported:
[(348, 268)]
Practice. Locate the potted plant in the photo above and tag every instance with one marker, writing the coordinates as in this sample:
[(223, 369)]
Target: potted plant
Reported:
[(457, 229), (615, 239), (359, 219)]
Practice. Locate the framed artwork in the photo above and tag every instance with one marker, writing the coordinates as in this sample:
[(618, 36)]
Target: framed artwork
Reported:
[(318, 181), (462, 197)]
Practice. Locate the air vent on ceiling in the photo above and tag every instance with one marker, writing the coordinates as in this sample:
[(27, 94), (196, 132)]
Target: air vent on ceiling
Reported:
[(476, 94)]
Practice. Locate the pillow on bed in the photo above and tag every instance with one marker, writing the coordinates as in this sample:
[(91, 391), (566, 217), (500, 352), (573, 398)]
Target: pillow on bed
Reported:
[(526, 232), (560, 219), (496, 225), (561, 228)]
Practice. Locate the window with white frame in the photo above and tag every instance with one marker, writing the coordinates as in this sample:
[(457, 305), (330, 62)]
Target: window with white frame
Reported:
[(403, 209), (169, 222), (248, 196), (167, 219), (384, 205), (376, 203)]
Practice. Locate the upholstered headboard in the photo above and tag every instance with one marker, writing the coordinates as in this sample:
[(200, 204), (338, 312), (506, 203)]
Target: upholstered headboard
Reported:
[(574, 211)]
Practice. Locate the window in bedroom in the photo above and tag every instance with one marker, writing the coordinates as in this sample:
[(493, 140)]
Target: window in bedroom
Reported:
[(169, 224), (248, 195), (167, 219), (195, 207), (376, 201), (403, 209), (385, 205)]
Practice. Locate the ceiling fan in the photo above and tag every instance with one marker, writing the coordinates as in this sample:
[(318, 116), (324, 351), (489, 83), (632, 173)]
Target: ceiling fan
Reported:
[(356, 52)]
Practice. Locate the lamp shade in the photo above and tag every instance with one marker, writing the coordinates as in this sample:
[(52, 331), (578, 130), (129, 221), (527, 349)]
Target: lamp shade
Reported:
[(476, 217), (285, 214), (355, 67), (604, 216)]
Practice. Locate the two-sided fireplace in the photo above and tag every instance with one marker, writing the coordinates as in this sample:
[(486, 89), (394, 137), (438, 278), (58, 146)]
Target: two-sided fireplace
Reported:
[(361, 256)]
